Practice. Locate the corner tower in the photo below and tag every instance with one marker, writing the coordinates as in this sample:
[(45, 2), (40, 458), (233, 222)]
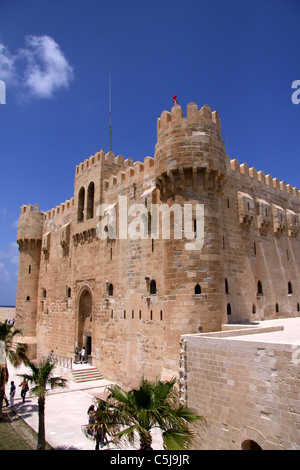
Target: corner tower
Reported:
[(29, 238), (190, 168)]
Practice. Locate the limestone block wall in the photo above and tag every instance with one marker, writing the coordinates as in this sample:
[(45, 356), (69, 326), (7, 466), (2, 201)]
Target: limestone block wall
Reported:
[(256, 247), (247, 391)]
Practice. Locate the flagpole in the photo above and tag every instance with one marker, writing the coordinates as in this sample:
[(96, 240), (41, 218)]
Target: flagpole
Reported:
[(109, 113)]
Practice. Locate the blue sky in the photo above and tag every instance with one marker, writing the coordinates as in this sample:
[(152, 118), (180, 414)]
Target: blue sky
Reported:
[(239, 56)]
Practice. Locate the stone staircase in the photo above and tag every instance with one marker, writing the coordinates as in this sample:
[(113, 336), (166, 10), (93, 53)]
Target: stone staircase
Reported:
[(86, 375)]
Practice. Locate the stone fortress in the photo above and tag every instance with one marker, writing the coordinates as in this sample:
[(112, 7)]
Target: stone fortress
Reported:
[(129, 301)]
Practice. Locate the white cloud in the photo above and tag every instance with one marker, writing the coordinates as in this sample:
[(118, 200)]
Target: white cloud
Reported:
[(11, 254), (4, 274), (39, 69), (47, 69), (7, 66)]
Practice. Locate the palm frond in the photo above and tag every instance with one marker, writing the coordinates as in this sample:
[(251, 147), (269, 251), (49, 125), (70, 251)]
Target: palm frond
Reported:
[(175, 439)]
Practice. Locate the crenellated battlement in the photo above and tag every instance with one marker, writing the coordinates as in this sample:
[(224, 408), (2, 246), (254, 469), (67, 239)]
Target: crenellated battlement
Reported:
[(261, 177), (203, 118), (102, 158), (64, 208), (133, 172), (30, 226)]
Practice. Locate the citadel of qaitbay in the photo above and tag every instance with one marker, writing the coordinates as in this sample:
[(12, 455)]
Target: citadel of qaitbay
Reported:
[(134, 302)]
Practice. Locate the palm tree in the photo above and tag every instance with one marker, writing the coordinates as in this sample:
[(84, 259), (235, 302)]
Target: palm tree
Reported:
[(42, 376), (104, 423), (153, 405), (11, 349)]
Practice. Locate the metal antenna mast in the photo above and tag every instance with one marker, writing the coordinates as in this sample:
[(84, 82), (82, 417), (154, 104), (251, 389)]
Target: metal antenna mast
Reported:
[(109, 113)]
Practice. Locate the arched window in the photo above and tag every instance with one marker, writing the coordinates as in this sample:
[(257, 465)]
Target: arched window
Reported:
[(80, 214), (259, 288), (152, 287), (290, 288), (226, 286), (110, 289), (228, 309), (250, 445), (69, 292), (197, 289), (90, 201), (28, 297)]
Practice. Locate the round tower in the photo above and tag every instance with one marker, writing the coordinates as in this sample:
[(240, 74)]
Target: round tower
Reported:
[(190, 170), (29, 238), (191, 142)]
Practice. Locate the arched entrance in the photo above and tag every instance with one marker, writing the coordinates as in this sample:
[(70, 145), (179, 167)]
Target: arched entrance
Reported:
[(250, 445), (85, 308)]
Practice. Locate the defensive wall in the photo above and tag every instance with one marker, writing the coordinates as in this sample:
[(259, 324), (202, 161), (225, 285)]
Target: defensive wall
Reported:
[(245, 382)]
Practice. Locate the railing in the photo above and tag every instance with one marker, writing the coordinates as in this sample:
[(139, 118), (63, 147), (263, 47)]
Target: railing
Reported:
[(62, 361)]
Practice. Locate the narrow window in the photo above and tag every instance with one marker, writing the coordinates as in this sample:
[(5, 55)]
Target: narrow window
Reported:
[(111, 314), (298, 307), (69, 292), (111, 253), (152, 287), (228, 309), (151, 315), (124, 314), (161, 315), (152, 245), (90, 201), (80, 213), (110, 290), (228, 203), (28, 297), (277, 308), (290, 288), (226, 286), (149, 224), (132, 314), (197, 289), (259, 288), (44, 292), (253, 309), (140, 314), (29, 269)]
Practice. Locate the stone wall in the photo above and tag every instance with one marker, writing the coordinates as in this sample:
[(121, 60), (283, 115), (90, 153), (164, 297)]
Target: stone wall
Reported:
[(248, 391)]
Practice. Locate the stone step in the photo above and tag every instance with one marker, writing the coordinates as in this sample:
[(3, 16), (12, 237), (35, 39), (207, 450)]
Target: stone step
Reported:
[(86, 375)]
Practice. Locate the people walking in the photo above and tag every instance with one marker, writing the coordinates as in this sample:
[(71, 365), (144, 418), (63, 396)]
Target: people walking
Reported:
[(82, 355), (24, 390), (12, 393)]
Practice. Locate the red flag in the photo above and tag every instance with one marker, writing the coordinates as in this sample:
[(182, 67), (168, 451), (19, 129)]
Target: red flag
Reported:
[(175, 99)]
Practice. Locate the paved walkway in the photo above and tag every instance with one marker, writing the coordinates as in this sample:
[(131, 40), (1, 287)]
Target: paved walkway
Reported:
[(66, 412)]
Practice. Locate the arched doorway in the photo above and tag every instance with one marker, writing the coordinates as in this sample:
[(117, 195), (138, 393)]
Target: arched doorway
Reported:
[(85, 308), (248, 444)]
